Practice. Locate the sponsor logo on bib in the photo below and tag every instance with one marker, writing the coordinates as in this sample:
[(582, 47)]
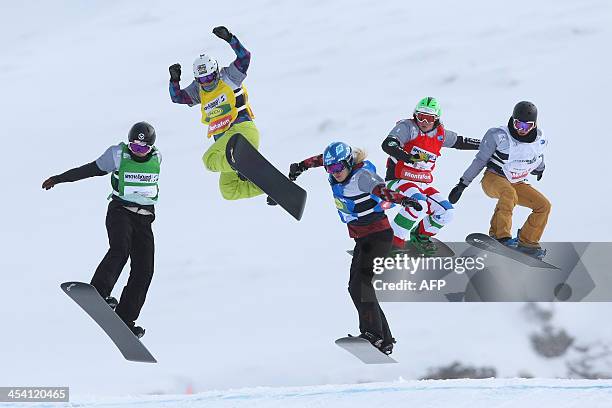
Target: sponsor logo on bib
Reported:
[(221, 110), (143, 191), (221, 99), (527, 161), (341, 205), (517, 175), (430, 156), (220, 123), (141, 178), (417, 176)]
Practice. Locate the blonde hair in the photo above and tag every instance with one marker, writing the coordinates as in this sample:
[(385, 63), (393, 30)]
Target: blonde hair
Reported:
[(359, 155)]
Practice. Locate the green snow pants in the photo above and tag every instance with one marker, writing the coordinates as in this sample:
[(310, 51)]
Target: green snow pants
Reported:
[(231, 186)]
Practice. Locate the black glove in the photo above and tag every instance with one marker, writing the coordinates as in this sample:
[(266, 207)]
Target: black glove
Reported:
[(270, 201), (411, 202), (50, 182), (175, 72), (295, 169), (456, 192), (538, 174), (223, 33)]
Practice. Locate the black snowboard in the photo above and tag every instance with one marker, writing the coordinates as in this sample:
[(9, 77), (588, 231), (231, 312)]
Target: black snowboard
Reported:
[(364, 350), (88, 298), (487, 243), (245, 159), (442, 250)]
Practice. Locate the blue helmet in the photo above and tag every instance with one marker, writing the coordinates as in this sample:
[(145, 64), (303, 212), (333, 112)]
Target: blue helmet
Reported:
[(338, 152)]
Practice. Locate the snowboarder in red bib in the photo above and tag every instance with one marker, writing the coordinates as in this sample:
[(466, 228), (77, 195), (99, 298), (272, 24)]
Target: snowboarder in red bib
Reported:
[(414, 145), (361, 199)]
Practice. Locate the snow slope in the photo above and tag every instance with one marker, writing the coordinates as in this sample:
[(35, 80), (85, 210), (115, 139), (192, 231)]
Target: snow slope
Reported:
[(488, 393), (243, 295)]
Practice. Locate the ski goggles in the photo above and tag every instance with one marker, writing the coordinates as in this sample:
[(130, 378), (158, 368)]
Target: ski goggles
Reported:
[(139, 148), (207, 79), (523, 126), (335, 168), (423, 117)]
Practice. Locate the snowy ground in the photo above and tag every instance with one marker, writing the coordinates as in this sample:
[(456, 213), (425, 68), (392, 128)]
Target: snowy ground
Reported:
[(426, 394), (243, 295)]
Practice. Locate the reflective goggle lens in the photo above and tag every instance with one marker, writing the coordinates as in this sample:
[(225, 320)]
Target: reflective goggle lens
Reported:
[(207, 79), (334, 168), (139, 148), (425, 117), (523, 126)]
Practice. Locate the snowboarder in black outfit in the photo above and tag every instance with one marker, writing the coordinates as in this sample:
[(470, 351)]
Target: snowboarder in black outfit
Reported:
[(361, 198), (135, 168)]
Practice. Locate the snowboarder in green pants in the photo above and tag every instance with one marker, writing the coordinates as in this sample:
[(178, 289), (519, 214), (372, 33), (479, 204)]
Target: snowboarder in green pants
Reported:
[(225, 110)]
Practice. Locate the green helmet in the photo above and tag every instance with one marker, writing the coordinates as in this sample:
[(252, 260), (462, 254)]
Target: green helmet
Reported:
[(428, 105)]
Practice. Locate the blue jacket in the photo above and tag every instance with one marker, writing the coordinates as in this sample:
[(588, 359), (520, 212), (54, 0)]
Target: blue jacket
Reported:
[(354, 199)]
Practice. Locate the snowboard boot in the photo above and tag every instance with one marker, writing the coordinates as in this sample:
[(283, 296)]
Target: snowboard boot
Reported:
[(422, 243), (508, 241), (112, 302), (374, 339), (536, 252), (387, 346), (137, 330)]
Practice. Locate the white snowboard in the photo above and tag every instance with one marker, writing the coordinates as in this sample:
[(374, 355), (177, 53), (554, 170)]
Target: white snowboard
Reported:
[(364, 350)]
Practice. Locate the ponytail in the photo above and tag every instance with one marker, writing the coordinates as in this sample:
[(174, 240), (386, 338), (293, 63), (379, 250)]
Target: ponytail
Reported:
[(359, 155)]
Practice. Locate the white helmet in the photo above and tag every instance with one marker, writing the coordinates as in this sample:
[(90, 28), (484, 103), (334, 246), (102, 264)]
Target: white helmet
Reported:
[(204, 65)]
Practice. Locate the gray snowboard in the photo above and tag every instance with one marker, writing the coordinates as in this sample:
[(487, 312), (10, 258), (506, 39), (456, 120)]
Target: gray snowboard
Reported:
[(487, 243), (363, 350), (88, 298)]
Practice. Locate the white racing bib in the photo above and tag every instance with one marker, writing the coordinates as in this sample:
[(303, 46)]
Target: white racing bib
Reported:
[(523, 158), (143, 191)]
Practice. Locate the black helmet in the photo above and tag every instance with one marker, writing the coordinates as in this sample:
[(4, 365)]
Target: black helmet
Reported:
[(142, 132), (525, 112)]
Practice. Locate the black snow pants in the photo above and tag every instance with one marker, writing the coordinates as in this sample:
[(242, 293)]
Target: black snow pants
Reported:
[(371, 317), (129, 235)]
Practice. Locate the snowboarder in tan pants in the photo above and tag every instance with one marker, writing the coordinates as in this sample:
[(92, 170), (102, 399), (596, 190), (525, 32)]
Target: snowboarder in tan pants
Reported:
[(510, 195), (510, 153)]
